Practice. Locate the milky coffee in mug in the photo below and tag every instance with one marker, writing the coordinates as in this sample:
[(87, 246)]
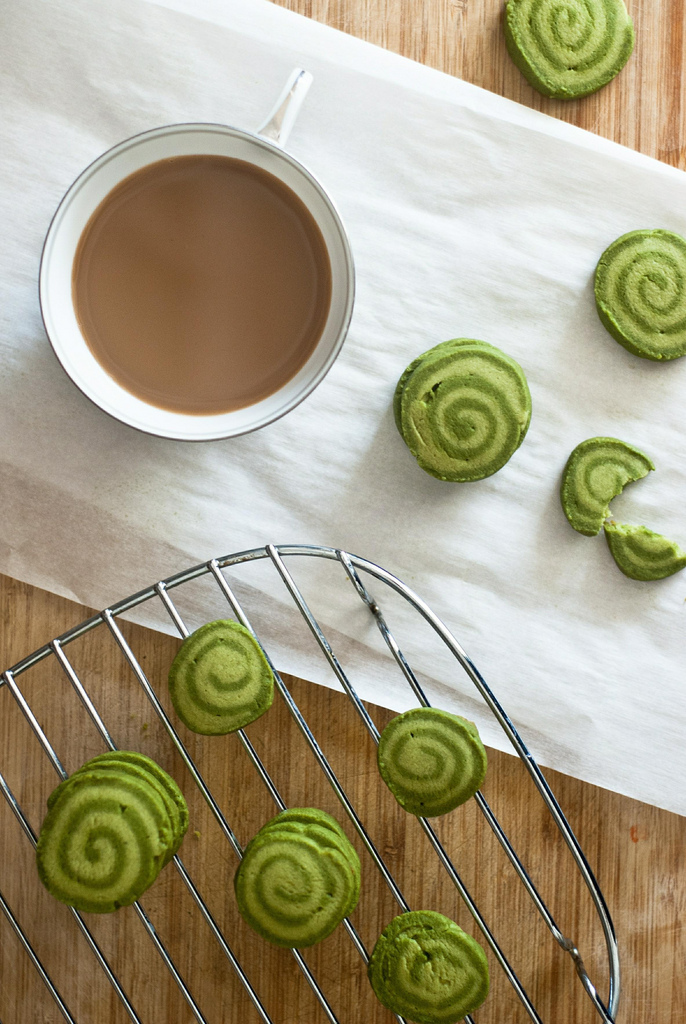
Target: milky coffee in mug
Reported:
[(201, 283), (197, 281)]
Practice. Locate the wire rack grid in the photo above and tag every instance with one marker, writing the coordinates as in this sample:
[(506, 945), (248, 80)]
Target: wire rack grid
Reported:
[(216, 570)]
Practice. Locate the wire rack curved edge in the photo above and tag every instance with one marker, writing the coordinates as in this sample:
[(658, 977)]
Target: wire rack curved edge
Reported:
[(353, 566)]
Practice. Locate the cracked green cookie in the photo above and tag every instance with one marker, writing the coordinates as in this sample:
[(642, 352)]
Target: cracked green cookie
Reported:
[(640, 293), (462, 408), (568, 48), (432, 761), (425, 968), (596, 472), (642, 554), (220, 680)]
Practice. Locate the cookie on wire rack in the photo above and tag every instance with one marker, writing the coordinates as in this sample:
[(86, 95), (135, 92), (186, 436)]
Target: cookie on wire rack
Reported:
[(110, 829), (568, 49), (425, 968), (432, 761), (298, 879), (220, 680)]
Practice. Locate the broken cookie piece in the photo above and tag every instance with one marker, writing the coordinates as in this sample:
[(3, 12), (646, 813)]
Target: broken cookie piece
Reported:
[(596, 472), (642, 554)]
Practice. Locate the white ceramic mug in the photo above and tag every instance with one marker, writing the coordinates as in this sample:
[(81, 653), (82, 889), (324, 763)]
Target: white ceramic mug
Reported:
[(263, 149)]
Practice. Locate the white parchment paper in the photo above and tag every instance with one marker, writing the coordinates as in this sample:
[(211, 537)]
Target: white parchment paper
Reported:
[(469, 216)]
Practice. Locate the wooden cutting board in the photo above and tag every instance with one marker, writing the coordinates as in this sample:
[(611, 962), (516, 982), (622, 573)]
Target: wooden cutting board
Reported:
[(636, 851)]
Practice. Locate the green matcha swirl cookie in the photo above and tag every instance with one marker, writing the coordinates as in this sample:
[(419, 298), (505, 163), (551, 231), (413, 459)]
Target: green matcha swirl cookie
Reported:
[(463, 408), (220, 680), (179, 810), (568, 48), (431, 761), (425, 968), (129, 762), (297, 881), (642, 554), (103, 841), (596, 472), (325, 838), (640, 293)]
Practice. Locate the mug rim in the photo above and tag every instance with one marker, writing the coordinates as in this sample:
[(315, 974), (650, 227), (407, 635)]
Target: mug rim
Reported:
[(187, 418)]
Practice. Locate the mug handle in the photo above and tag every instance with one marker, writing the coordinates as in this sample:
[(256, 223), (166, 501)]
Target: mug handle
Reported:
[(281, 119)]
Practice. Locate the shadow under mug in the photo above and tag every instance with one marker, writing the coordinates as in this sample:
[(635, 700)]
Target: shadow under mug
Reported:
[(262, 149)]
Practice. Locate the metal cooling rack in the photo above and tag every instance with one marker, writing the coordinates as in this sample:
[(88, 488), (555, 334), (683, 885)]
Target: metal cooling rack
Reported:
[(220, 571)]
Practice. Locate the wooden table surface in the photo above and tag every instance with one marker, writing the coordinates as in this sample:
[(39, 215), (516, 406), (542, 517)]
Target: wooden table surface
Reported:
[(636, 851)]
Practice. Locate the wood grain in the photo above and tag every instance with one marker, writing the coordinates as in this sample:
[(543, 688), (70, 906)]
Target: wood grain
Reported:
[(636, 851), (642, 108)]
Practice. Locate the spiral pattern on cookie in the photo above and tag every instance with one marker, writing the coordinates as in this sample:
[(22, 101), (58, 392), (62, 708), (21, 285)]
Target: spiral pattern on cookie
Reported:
[(597, 470), (292, 889), (568, 48), (431, 760), (103, 842), (220, 680), (640, 291), (138, 766), (642, 554), (465, 411), (425, 968)]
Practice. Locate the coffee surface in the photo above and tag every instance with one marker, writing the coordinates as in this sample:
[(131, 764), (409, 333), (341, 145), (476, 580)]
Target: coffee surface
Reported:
[(201, 284)]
